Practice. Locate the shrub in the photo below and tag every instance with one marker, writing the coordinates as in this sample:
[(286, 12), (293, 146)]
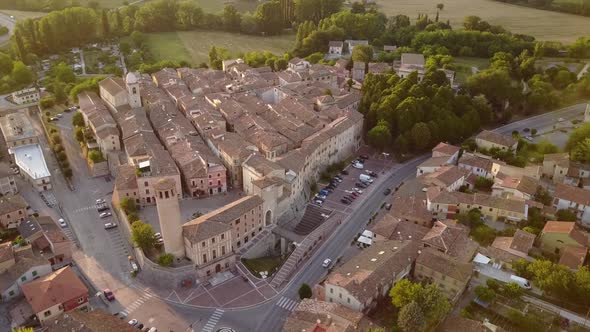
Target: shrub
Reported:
[(55, 138), (47, 102), (67, 172), (133, 217), (166, 260), (305, 291)]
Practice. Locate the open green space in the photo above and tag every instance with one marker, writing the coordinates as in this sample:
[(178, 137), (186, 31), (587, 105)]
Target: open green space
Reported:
[(193, 46), (257, 265), (543, 24)]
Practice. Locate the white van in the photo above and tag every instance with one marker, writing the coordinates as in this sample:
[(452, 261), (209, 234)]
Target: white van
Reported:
[(522, 282), (365, 178)]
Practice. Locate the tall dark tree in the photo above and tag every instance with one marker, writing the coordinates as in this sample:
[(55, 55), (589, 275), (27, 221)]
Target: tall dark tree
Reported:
[(106, 29)]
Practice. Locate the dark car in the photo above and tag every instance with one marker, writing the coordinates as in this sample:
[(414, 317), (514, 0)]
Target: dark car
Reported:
[(328, 189), (344, 201), (108, 294), (344, 172), (387, 192), (351, 196), (347, 198), (139, 326), (102, 207), (360, 185), (373, 174)]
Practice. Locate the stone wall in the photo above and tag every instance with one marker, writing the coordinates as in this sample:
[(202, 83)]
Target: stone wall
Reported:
[(151, 272), (264, 247), (99, 169)]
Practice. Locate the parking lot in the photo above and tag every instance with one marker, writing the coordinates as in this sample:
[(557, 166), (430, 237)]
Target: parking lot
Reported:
[(376, 163)]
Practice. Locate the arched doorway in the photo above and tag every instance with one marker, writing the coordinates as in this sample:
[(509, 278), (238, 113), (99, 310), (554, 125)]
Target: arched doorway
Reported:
[(217, 268), (268, 218)]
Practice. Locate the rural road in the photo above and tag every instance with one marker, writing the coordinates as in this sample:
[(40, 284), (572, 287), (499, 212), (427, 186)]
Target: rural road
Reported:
[(6, 21)]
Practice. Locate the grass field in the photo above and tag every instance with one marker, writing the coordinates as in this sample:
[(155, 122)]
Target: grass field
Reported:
[(193, 46), (214, 6), (543, 24)]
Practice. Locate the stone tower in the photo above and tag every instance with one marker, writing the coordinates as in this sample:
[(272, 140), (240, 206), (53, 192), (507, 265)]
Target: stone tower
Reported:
[(132, 83), (169, 216)]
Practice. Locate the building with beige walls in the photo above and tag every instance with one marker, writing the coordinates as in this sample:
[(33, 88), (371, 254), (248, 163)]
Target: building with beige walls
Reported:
[(491, 140), (18, 130), (208, 244), (369, 275), (99, 119), (13, 211), (169, 217), (7, 259), (450, 275)]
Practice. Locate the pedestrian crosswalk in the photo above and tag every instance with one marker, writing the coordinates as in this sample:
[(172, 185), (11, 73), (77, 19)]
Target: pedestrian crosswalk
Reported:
[(287, 303), (85, 208), (68, 233), (213, 320), (135, 305)]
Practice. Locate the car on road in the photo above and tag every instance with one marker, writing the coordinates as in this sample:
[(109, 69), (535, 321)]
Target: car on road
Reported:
[(100, 201), (387, 191), (133, 322), (109, 294), (102, 207), (53, 118), (561, 119), (110, 225), (327, 262), (105, 214), (358, 165), (62, 222), (528, 138), (134, 266)]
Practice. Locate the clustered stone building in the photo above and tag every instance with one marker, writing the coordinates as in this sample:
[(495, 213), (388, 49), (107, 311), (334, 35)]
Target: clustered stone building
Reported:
[(199, 132)]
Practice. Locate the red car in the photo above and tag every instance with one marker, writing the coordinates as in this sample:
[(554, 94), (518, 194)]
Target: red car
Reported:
[(109, 294)]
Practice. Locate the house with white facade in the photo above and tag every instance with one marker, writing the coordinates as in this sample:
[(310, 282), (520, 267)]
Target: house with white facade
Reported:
[(574, 199)]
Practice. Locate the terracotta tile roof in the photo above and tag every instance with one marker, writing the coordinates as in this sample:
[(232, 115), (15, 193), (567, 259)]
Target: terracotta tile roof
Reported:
[(522, 241), (6, 252), (372, 267), (393, 228), (446, 149), (496, 138), (572, 194), (556, 156), (451, 238), (309, 311), (96, 320), (476, 161), (566, 227), (434, 162), (113, 85), (125, 179), (229, 212), (204, 230), (445, 264), (52, 289), (11, 203), (573, 256)]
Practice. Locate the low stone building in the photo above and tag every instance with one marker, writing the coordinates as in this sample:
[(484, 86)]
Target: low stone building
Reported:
[(13, 211), (450, 275), (489, 140)]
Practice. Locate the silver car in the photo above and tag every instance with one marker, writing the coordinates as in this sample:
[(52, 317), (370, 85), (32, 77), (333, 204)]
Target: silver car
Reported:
[(105, 214), (110, 225)]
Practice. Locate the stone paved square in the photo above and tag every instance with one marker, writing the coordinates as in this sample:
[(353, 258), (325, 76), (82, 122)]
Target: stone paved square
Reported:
[(230, 290)]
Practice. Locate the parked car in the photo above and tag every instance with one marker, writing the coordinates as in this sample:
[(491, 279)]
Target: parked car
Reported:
[(347, 198), (53, 118), (102, 207), (105, 214), (388, 206), (100, 201), (160, 241), (360, 185), (318, 202), (344, 201), (371, 173), (358, 165), (327, 262), (320, 196), (110, 225), (387, 192), (337, 179), (59, 115), (355, 194), (133, 322), (344, 172), (357, 190), (62, 222), (153, 329), (326, 191), (134, 266), (121, 315), (109, 294), (158, 235), (139, 326)]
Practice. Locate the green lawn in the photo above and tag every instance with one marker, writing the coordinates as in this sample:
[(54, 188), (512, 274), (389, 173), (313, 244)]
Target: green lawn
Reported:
[(257, 265), (543, 24), (193, 46)]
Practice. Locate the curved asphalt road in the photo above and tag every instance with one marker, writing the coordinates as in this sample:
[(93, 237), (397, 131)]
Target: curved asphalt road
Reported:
[(6, 21)]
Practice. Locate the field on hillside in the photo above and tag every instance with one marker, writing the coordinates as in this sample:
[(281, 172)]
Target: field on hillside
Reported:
[(543, 24), (214, 6), (193, 46)]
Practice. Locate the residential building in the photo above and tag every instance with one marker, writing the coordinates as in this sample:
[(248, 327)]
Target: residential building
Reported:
[(446, 150), (13, 211), (208, 244), (96, 320), (369, 275), (97, 116), (409, 203), (314, 315), (18, 130), (492, 140), (450, 275), (48, 239), (359, 70), (351, 43), (480, 165), (573, 256), (169, 217), (26, 96), (505, 250), (56, 293), (335, 48), (7, 259), (389, 227), (31, 162), (555, 166), (523, 188), (411, 62), (558, 234), (574, 199), (432, 165), (451, 238), (27, 268), (446, 205), (244, 216), (7, 182), (449, 178)]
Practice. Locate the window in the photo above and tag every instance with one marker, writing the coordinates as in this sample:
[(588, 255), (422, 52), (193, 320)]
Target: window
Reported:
[(331, 290), (147, 191), (166, 194), (222, 236), (20, 212), (145, 184), (203, 244), (205, 259), (34, 273), (238, 222), (214, 254), (348, 300), (47, 313), (80, 300), (11, 293), (23, 278), (223, 250), (340, 295), (213, 240)]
